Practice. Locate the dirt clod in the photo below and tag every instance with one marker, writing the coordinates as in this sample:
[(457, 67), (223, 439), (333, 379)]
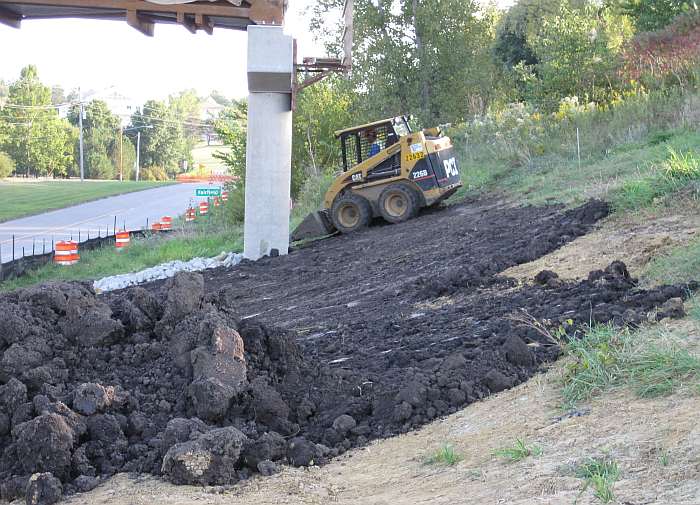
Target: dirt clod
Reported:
[(43, 489)]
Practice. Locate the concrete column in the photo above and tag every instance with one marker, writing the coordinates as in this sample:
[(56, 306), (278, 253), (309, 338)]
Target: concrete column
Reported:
[(269, 147)]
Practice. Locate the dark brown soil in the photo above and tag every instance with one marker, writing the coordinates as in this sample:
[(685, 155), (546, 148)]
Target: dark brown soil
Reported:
[(290, 359)]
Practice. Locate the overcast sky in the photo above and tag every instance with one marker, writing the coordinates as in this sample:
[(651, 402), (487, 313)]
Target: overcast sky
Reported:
[(98, 54)]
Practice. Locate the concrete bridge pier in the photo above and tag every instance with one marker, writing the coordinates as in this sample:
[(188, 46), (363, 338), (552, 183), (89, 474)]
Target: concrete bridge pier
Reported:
[(269, 144)]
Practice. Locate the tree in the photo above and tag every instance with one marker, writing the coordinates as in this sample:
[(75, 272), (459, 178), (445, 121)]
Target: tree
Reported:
[(650, 15), (221, 99), (7, 166), (161, 141), (101, 130), (232, 129), (185, 109), (38, 141), (322, 109), (578, 53), (429, 58), (58, 95)]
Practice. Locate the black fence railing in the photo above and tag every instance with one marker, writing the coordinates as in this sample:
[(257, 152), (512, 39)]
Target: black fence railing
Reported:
[(42, 252)]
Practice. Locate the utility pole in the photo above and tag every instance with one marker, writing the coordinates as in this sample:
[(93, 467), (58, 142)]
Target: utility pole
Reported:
[(80, 122), (121, 153), (138, 150)]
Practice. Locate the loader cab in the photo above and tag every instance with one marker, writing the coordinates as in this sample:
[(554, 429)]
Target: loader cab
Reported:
[(362, 142)]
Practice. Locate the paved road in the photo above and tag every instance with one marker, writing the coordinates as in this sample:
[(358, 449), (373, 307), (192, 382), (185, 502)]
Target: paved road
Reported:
[(131, 209)]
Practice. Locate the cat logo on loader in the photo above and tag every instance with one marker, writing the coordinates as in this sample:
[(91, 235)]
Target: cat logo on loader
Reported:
[(388, 171)]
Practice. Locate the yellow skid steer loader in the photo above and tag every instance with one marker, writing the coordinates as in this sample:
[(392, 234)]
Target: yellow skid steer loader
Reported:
[(388, 171)]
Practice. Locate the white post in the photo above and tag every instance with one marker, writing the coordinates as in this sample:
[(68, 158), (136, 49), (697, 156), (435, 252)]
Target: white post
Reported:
[(138, 151), (269, 145), (81, 112)]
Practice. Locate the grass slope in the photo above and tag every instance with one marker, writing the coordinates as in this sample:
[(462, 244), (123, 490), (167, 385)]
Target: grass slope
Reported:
[(26, 198)]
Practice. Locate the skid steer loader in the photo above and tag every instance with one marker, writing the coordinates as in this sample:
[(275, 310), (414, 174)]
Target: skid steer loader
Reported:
[(388, 171)]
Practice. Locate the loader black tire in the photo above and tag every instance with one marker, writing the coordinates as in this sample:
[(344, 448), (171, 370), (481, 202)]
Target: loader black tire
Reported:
[(351, 212), (398, 203)]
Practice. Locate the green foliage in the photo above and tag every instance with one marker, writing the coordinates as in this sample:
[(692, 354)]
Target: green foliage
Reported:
[(100, 166), (445, 455), (605, 357), (7, 165), (677, 171), (101, 131), (153, 173), (649, 15), (322, 109), (681, 165), (232, 129), (518, 451), (601, 474), (35, 137), (166, 137), (577, 52), (430, 58), (310, 198)]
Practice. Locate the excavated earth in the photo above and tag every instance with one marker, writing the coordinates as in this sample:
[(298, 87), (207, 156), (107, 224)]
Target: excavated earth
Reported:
[(291, 360)]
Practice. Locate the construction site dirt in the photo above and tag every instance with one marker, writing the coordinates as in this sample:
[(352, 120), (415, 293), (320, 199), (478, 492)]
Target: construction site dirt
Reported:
[(209, 379)]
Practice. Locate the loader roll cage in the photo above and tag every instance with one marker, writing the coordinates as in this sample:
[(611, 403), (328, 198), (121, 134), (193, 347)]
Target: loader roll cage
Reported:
[(356, 143)]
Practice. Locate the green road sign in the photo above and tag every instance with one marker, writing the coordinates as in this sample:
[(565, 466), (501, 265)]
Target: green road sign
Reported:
[(208, 192)]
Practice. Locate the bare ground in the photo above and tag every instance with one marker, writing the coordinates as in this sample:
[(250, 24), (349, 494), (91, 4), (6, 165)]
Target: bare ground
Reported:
[(656, 442), (636, 239)]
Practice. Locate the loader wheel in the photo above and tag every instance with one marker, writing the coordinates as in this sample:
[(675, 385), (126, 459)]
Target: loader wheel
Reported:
[(398, 203), (351, 212)]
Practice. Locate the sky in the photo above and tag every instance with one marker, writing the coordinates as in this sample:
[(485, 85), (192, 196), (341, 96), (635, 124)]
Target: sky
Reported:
[(96, 55)]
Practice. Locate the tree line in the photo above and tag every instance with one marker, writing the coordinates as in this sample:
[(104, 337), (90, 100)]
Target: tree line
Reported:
[(450, 61), (36, 141)]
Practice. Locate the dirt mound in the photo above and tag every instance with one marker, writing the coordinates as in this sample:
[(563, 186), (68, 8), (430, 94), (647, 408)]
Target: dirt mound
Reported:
[(181, 381)]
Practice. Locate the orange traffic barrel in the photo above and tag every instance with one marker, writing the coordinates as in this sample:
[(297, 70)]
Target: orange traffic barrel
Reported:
[(203, 208), (156, 227), (190, 215), (166, 223), (224, 196), (121, 240), (66, 253), (216, 201)]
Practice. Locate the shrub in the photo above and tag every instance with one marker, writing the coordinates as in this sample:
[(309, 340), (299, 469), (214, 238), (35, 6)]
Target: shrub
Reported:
[(7, 165), (153, 173)]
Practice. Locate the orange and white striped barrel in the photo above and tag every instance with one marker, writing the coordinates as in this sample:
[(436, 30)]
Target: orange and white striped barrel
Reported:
[(203, 208), (166, 223), (216, 201), (122, 239), (66, 253), (156, 227), (224, 196), (190, 215)]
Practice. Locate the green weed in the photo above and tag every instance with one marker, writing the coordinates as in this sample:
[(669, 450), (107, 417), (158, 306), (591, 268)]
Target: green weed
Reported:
[(593, 367), (601, 474), (445, 455), (606, 357), (655, 371), (681, 165), (518, 452)]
